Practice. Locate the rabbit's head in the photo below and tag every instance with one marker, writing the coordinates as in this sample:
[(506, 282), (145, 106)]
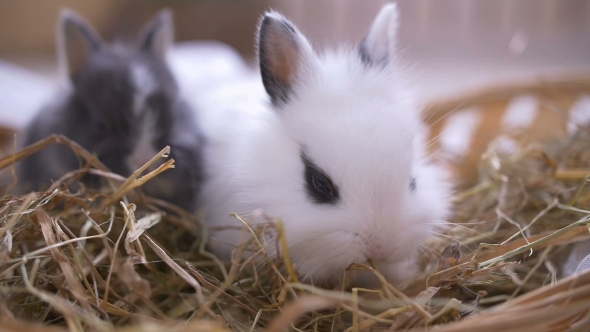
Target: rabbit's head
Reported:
[(124, 92)]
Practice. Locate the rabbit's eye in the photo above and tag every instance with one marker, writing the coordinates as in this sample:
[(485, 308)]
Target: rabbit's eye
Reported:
[(318, 185), (322, 184)]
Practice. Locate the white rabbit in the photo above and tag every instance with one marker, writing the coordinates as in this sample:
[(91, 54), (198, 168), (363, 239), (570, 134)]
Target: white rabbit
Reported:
[(338, 154)]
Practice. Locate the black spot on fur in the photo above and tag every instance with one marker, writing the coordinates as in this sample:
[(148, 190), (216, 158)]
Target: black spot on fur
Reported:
[(362, 51), (289, 27), (148, 41), (413, 184), (366, 59), (318, 185)]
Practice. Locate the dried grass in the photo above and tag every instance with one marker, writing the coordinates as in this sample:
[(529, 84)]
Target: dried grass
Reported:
[(93, 261)]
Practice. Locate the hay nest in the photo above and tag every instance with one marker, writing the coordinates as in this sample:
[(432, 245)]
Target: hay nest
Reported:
[(93, 261)]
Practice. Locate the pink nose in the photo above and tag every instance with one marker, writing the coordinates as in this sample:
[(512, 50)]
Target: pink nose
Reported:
[(376, 251)]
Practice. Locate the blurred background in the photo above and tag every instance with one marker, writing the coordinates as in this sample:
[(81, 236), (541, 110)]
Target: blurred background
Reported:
[(452, 45)]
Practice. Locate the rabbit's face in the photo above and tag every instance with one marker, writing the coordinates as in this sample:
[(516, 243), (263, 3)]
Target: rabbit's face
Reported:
[(343, 162), (128, 102), (126, 91)]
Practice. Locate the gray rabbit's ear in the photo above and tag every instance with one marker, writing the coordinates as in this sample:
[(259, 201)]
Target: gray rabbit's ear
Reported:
[(284, 54), (76, 41), (380, 45), (158, 35)]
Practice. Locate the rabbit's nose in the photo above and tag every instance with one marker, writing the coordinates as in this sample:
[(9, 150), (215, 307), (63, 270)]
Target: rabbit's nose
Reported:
[(376, 251), (375, 246)]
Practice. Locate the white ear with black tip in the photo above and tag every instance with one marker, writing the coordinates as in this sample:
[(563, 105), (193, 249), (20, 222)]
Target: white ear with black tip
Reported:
[(158, 35), (284, 55), (76, 41), (380, 44)]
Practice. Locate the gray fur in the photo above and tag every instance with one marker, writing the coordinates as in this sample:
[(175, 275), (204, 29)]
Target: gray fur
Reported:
[(100, 113)]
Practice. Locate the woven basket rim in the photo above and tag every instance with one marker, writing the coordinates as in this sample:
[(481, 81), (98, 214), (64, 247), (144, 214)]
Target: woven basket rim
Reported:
[(501, 90)]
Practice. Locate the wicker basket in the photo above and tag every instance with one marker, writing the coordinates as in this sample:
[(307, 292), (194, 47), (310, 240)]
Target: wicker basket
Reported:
[(549, 100)]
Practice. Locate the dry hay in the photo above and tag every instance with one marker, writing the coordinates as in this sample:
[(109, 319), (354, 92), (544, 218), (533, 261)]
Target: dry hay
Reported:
[(93, 261)]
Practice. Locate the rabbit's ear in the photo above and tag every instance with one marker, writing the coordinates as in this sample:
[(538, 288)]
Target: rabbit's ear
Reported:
[(76, 41), (284, 53), (158, 35), (379, 45)]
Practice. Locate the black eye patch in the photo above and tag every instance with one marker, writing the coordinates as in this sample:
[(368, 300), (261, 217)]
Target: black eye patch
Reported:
[(318, 185)]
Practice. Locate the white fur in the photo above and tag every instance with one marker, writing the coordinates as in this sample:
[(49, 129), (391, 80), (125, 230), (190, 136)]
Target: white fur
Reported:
[(144, 85), (362, 127), (381, 42)]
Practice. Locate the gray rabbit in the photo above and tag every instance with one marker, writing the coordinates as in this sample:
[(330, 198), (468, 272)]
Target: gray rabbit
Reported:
[(123, 104)]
